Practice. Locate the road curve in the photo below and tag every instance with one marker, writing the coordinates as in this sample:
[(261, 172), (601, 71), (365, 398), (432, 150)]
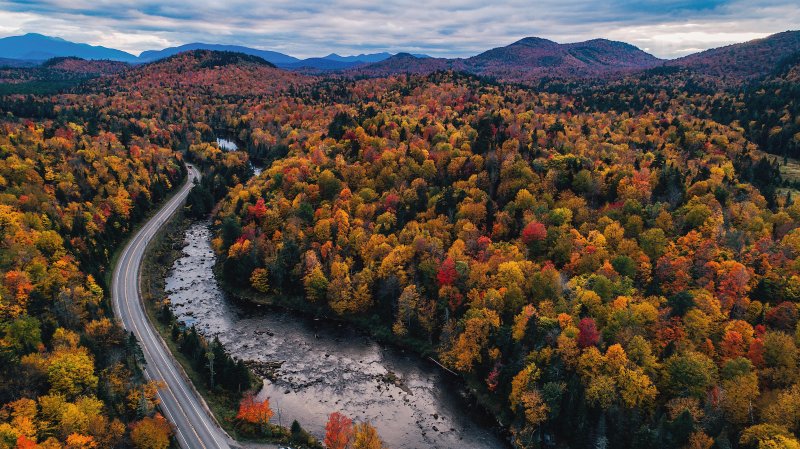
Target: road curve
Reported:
[(195, 428)]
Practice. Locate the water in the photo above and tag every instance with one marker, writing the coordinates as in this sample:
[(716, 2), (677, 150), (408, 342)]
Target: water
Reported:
[(230, 145), (325, 367), (227, 145)]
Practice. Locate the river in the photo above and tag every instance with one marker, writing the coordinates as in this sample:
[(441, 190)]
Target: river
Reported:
[(327, 367), (227, 144)]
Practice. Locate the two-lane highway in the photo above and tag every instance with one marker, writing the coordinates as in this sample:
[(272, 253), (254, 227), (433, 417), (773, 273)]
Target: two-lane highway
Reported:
[(194, 425)]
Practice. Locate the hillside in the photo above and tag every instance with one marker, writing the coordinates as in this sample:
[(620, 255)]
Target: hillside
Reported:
[(528, 60), (84, 66), (744, 61), (406, 63), (532, 58), (273, 57)]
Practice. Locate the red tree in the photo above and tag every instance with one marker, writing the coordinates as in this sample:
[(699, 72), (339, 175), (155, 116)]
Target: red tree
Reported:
[(534, 232), (588, 334), (447, 274), (253, 411), (259, 211), (756, 352), (338, 431), (783, 316)]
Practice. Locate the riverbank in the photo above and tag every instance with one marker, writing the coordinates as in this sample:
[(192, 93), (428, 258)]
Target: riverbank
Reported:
[(160, 255), (472, 398), (313, 366), (371, 326)]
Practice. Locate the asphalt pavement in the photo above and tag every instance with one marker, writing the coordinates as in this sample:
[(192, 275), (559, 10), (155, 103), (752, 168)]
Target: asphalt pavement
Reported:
[(181, 404)]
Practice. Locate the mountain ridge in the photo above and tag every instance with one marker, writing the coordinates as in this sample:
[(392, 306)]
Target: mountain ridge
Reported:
[(38, 47), (744, 60), (526, 60)]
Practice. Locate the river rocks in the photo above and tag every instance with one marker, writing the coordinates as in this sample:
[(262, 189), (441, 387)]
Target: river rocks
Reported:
[(311, 367), (267, 370)]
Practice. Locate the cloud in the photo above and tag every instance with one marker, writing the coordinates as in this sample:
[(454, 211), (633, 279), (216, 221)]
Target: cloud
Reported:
[(453, 28)]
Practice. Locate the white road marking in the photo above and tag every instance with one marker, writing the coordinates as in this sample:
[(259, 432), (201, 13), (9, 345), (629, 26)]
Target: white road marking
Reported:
[(121, 287)]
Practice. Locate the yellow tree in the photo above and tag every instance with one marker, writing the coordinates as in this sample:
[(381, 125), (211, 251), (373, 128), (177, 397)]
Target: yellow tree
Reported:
[(71, 371), (467, 348), (151, 433), (366, 437)]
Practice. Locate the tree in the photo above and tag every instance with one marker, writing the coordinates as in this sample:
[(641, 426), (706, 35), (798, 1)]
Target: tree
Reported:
[(79, 441), (768, 436), (366, 437), (259, 279), (534, 232), (316, 284), (588, 335), (406, 306), (254, 412), (338, 431), (23, 334), (466, 350), (71, 372), (635, 388), (447, 274), (151, 433), (329, 186), (785, 411), (739, 396), (780, 359), (689, 374), (522, 383)]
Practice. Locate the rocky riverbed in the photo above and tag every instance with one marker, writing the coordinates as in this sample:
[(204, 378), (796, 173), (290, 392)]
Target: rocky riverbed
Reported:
[(312, 367)]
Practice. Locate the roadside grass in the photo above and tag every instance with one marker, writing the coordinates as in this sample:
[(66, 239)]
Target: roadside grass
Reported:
[(159, 256)]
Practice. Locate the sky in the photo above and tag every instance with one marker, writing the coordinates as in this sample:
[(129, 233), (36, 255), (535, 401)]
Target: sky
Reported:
[(442, 28)]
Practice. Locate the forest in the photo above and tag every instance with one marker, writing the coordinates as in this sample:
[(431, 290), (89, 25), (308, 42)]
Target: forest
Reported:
[(605, 264)]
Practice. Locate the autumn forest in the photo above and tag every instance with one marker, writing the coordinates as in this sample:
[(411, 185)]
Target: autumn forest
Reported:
[(603, 260)]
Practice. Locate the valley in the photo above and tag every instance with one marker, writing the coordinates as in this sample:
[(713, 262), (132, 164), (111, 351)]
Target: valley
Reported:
[(544, 245)]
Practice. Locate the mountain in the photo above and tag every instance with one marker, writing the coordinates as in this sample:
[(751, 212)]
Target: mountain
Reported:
[(530, 59), (334, 62), (748, 60), (273, 57), (33, 46), (366, 58), (407, 63), (362, 58), (323, 64), (31, 49), (204, 59)]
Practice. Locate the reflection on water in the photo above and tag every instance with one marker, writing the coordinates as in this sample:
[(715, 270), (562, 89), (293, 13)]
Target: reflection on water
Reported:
[(325, 367), (227, 145)]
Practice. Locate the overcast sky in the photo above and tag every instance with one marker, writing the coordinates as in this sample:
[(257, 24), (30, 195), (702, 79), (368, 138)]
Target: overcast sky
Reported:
[(449, 28)]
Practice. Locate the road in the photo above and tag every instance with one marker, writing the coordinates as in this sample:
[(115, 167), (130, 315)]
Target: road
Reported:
[(195, 427)]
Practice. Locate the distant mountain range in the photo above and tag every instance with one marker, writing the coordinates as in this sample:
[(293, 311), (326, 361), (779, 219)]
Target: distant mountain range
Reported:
[(532, 59), (527, 60), (33, 47), (37, 47)]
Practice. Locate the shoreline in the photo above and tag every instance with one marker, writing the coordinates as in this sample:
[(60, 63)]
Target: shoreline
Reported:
[(484, 409)]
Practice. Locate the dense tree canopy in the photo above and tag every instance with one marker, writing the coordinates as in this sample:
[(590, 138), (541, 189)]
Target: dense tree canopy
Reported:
[(606, 265)]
